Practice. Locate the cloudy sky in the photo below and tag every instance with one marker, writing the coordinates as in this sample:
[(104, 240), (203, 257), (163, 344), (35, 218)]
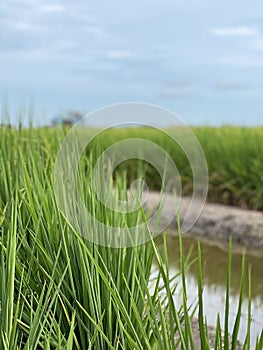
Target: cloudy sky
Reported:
[(203, 60)]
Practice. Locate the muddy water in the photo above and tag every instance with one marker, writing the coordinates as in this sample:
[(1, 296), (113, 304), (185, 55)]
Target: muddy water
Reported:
[(214, 262)]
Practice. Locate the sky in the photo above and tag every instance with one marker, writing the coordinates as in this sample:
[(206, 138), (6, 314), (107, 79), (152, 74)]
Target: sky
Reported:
[(202, 60)]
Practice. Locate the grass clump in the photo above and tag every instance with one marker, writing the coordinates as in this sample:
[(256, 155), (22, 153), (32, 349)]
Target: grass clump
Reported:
[(60, 291)]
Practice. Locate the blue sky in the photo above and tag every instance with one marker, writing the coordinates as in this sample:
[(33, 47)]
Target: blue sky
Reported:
[(203, 60)]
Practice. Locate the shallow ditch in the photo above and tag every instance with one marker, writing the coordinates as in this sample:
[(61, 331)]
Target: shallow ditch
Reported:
[(214, 261)]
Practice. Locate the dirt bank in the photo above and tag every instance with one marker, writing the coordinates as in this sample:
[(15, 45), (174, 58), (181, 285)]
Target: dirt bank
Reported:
[(217, 222)]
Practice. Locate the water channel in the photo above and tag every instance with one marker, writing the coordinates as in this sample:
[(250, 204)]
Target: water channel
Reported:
[(214, 263)]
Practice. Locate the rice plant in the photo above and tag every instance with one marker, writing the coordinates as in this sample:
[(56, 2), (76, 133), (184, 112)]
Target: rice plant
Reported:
[(233, 155), (60, 291)]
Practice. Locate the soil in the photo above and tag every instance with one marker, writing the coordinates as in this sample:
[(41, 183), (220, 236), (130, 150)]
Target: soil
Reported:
[(217, 221), (212, 336)]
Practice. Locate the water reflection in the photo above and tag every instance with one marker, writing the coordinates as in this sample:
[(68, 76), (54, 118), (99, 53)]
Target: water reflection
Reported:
[(214, 263)]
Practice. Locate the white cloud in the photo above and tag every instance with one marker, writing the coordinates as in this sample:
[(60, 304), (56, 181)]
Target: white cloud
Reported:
[(247, 59), (17, 25), (241, 31), (52, 8), (118, 54), (258, 45), (94, 30)]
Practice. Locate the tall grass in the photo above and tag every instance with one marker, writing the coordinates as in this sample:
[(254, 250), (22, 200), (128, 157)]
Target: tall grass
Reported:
[(60, 291), (234, 157)]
